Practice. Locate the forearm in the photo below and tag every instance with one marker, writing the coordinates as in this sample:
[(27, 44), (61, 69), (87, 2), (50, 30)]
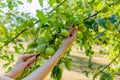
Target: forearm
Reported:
[(42, 71), (10, 74), (5, 78)]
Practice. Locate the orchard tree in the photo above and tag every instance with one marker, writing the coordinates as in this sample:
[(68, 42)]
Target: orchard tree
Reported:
[(97, 23)]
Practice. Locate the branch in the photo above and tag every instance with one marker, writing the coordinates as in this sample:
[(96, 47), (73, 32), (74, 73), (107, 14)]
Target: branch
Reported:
[(106, 66), (96, 13), (27, 28), (14, 38), (57, 6), (92, 15)]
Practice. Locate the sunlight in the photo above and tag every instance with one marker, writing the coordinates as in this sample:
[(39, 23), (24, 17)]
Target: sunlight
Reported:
[(31, 8)]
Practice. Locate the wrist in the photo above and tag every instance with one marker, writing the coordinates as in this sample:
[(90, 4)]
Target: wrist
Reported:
[(10, 75)]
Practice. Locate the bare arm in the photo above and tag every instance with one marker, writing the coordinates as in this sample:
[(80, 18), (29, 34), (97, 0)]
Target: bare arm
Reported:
[(41, 72)]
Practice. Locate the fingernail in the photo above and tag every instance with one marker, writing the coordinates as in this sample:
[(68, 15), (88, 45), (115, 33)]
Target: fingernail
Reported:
[(34, 57)]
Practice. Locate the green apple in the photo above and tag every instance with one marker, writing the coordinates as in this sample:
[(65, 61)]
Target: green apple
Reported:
[(64, 33), (49, 51), (48, 36), (105, 8), (82, 28), (30, 23)]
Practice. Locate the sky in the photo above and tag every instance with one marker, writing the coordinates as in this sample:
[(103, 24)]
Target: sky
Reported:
[(27, 7)]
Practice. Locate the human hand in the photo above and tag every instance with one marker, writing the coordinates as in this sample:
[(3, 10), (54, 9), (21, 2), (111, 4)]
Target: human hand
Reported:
[(71, 38), (24, 61)]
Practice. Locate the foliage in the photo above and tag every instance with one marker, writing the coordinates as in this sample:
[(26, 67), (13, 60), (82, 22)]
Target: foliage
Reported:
[(106, 76), (95, 20)]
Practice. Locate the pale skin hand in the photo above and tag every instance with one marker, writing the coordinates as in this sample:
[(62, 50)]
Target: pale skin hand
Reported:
[(24, 61), (41, 72), (71, 38)]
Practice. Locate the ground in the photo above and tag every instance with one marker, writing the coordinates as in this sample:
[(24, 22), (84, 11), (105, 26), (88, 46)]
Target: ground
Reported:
[(79, 64)]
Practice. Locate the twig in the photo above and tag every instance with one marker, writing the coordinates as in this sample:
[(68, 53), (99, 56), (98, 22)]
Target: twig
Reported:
[(57, 6), (14, 37), (106, 66), (96, 13), (92, 15)]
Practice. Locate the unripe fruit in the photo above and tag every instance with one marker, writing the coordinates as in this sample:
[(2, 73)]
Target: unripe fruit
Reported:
[(30, 24), (82, 28), (49, 51), (48, 36), (105, 8), (64, 33)]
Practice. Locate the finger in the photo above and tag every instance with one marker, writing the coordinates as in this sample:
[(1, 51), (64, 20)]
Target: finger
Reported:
[(74, 35), (75, 31), (26, 56), (30, 60), (30, 65), (70, 29), (37, 55)]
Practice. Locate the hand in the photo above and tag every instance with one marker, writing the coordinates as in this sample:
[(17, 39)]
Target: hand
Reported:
[(71, 38), (24, 61)]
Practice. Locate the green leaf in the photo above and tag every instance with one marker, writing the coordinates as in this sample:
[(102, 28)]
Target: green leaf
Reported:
[(41, 40), (12, 57), (89, 24), (106, 76), (41, 48), (99, 35), (68, 63), (57, 72), (41, 16), (58, 1), (32, 45), (16, 49), (2, 39), (95, 26), (3, 30), (101, 22), (9, 69), (10, 5), (86, 73), (113, 18), (6, 65), (21, 45), (5, 57), (51, 2), (29, 1), (20, 2), (2, 5), (41, 3), (30, 23)]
